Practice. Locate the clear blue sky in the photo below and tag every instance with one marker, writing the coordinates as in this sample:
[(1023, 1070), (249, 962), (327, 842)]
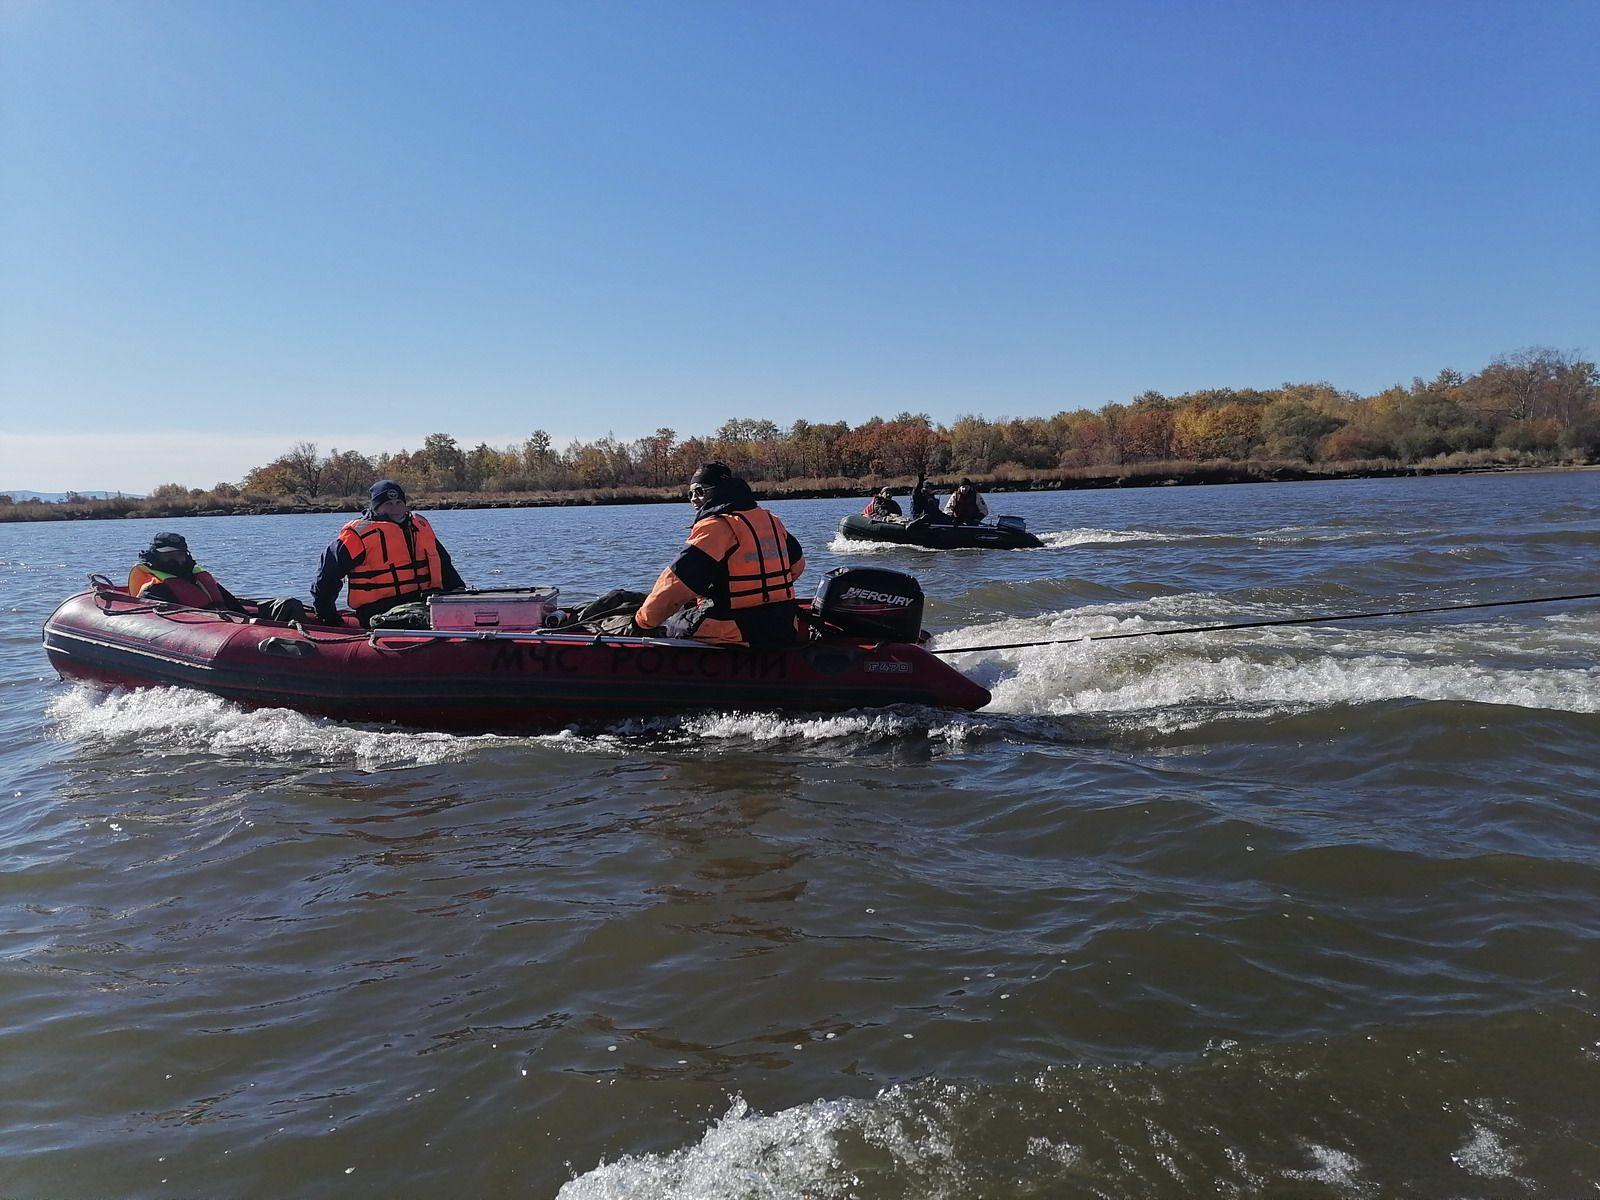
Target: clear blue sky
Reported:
[(226, 227)]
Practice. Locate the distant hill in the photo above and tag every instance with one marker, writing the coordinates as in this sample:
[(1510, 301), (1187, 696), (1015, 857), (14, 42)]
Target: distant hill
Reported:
[(20, 494)]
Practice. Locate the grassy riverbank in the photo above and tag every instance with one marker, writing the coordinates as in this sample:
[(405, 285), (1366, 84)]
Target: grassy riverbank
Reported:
[(1161, 474)]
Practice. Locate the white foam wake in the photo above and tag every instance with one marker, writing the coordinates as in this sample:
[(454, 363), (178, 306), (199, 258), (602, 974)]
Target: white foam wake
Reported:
[(194, 722), (843, 545), (1055, 539), (1208, 675), (789, 1154), (1062, 539), (1065, 1132), (858, 728), (175, 719), (1286, 535), (1161, 683)]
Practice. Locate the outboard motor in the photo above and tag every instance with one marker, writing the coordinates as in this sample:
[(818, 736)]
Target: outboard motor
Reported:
[(868, 602), (1017, 524)]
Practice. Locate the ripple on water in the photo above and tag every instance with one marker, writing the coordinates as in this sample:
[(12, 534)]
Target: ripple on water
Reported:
[(1298, 912)]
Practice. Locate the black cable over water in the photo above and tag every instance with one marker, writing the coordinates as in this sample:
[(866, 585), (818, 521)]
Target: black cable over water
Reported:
[(1361, 616)]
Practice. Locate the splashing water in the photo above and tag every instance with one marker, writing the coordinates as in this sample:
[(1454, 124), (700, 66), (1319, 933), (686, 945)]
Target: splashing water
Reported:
[(193, 722), (1165, 684), (1257, 670), (1065, 539), (788, 1154), (843, 545), (1190, 1129)]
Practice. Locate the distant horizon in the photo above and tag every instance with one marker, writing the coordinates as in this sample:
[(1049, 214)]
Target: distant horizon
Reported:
[(244, 225), (87, 493)]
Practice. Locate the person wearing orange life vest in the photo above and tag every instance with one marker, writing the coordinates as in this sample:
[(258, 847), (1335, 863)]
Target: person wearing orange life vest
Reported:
[(166, 572), (733, 581), (389, 554)]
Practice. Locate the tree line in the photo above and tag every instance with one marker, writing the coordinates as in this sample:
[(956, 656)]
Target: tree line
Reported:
[(1534, 405), (1537, 401)]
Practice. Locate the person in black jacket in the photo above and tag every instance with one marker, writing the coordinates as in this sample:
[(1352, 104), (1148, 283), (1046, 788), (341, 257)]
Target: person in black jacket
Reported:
[(925, 503)]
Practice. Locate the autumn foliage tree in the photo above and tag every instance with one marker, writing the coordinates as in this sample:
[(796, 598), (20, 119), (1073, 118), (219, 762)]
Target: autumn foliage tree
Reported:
[(1536, 402)]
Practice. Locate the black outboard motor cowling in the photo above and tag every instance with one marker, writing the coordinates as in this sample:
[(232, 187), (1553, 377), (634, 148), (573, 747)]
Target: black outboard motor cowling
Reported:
[(870, 603)]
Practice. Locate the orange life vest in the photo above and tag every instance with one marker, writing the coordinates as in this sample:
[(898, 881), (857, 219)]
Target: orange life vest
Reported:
[(759, 569), (199, 590), (391, 560)]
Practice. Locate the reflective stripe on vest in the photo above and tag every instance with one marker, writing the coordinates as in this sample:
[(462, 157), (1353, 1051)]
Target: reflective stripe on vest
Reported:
[(390, 560), (759, 570), (200, 590)]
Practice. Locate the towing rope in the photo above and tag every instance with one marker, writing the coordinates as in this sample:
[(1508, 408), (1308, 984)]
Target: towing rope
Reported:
[(1360, 616), (102, 586)]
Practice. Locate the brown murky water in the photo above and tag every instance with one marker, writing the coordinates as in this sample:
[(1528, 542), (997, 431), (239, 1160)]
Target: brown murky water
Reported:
[(1300, 911)]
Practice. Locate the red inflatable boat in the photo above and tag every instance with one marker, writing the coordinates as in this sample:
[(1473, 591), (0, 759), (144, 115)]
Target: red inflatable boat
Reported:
[(470, 680)]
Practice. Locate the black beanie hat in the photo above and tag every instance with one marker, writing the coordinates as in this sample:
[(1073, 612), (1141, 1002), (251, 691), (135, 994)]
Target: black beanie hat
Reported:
[(712, 473), (384, 490)]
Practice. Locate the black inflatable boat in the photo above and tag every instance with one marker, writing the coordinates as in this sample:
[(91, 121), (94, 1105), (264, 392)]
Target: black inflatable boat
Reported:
[(1008, 533)]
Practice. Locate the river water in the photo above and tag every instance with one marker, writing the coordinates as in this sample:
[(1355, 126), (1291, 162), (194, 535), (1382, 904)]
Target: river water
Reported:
[(1305, 911)]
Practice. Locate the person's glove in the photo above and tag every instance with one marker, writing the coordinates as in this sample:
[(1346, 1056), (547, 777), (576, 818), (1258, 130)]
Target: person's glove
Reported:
[(329, 616), (634, 629)]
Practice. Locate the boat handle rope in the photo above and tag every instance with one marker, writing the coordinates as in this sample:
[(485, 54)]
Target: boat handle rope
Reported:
[(377, 641), (167, 610), (1358, 616), (106, 593)]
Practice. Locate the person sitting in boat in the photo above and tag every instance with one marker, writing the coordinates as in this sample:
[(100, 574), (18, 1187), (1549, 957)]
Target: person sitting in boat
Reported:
[(733, 581), (389, 554), (925, 502), (882, 506), (168, 573), (966, 506)]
